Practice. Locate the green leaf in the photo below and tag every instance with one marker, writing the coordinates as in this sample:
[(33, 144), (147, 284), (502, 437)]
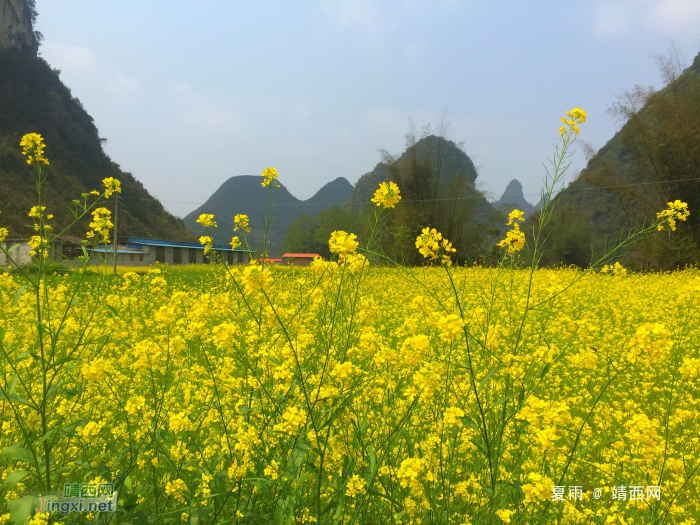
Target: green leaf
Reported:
[(372, 460), (13, 384), (584, 449), (503, 400), (21, 509), (386, 497), (18, 454), (484, 379), (545, 370), (48, 434), (15, 477), (21, 356), (18, 295), (13, 248), (2, 334), (23, 400), (470, 423), (338, 410), (113, 310)]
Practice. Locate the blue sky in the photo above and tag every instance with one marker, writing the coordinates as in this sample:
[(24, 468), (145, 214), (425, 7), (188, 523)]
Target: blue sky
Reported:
[(191, 92)]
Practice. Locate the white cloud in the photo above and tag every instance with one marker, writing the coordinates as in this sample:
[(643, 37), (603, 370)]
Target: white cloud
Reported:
[(73, 58), (618, 17), (386, 120), (613, 18), (670, 15), (123, 86), (296, 148), (415, 52), (214, 120), (355, 13)]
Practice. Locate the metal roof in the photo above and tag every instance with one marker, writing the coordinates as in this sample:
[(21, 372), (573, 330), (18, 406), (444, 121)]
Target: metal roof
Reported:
[(172, 244)]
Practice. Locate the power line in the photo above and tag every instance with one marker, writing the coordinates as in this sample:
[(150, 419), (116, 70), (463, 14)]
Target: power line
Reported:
[(421, 200)]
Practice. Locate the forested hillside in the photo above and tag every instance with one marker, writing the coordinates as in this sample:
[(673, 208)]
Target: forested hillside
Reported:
[(34, 100)]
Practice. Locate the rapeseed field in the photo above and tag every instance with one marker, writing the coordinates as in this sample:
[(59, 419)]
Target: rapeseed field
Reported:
[(355, 391)]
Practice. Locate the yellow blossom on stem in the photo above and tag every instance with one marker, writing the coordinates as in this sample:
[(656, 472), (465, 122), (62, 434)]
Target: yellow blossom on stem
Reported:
[(433, 246), (676, 210), (207, 241), (270, 176), (515, 215), (37, 211), (33, 148), (111, 185), (241, 223), (38, 246), (342, 242), (573, 118), (355, 486), (207, 220), (387, 195), (514, 241), (101, 224), (235, 242)]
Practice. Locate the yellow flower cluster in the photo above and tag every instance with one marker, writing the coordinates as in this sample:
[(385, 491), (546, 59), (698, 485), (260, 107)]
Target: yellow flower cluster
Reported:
[(207, 241), (241, 222), (101, 224), (356, 486), (614, 269), (38, 246), (676, 210), (387, 196), (573, 118), (342, 242), (33, 148), (515, 238), (433, 246), (270, 175), (207, 220), (111, 185)]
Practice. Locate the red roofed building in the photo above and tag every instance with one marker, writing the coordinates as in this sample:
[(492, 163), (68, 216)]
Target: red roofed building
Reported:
[(271, 261), (299, 259)]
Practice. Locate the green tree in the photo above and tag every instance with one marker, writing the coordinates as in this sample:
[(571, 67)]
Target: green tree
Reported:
[(659, 161)]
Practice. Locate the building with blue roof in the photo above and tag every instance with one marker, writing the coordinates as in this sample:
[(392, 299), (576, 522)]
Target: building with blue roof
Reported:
[(136, 251)]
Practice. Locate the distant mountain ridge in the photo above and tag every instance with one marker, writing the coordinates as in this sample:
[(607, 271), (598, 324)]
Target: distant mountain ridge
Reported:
[(243, 194), (513, 198)]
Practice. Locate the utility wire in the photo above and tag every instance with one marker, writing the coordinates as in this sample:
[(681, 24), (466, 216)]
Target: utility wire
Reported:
[(422, 200)]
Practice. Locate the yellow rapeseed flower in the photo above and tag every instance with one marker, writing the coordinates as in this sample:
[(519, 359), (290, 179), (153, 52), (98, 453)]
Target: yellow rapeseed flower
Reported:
[(241, 222), (433, 246), (342, 242), (676, 210), (111, 185), (33, 148), (573, 118), (270, 176), (207, 220), (515, 239), (101, 224), (207, 241), (387, 195)]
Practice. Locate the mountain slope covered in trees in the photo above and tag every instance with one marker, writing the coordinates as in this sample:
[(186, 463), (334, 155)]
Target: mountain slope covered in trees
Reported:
[(34, 100), (653, 159), (243, 194)]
